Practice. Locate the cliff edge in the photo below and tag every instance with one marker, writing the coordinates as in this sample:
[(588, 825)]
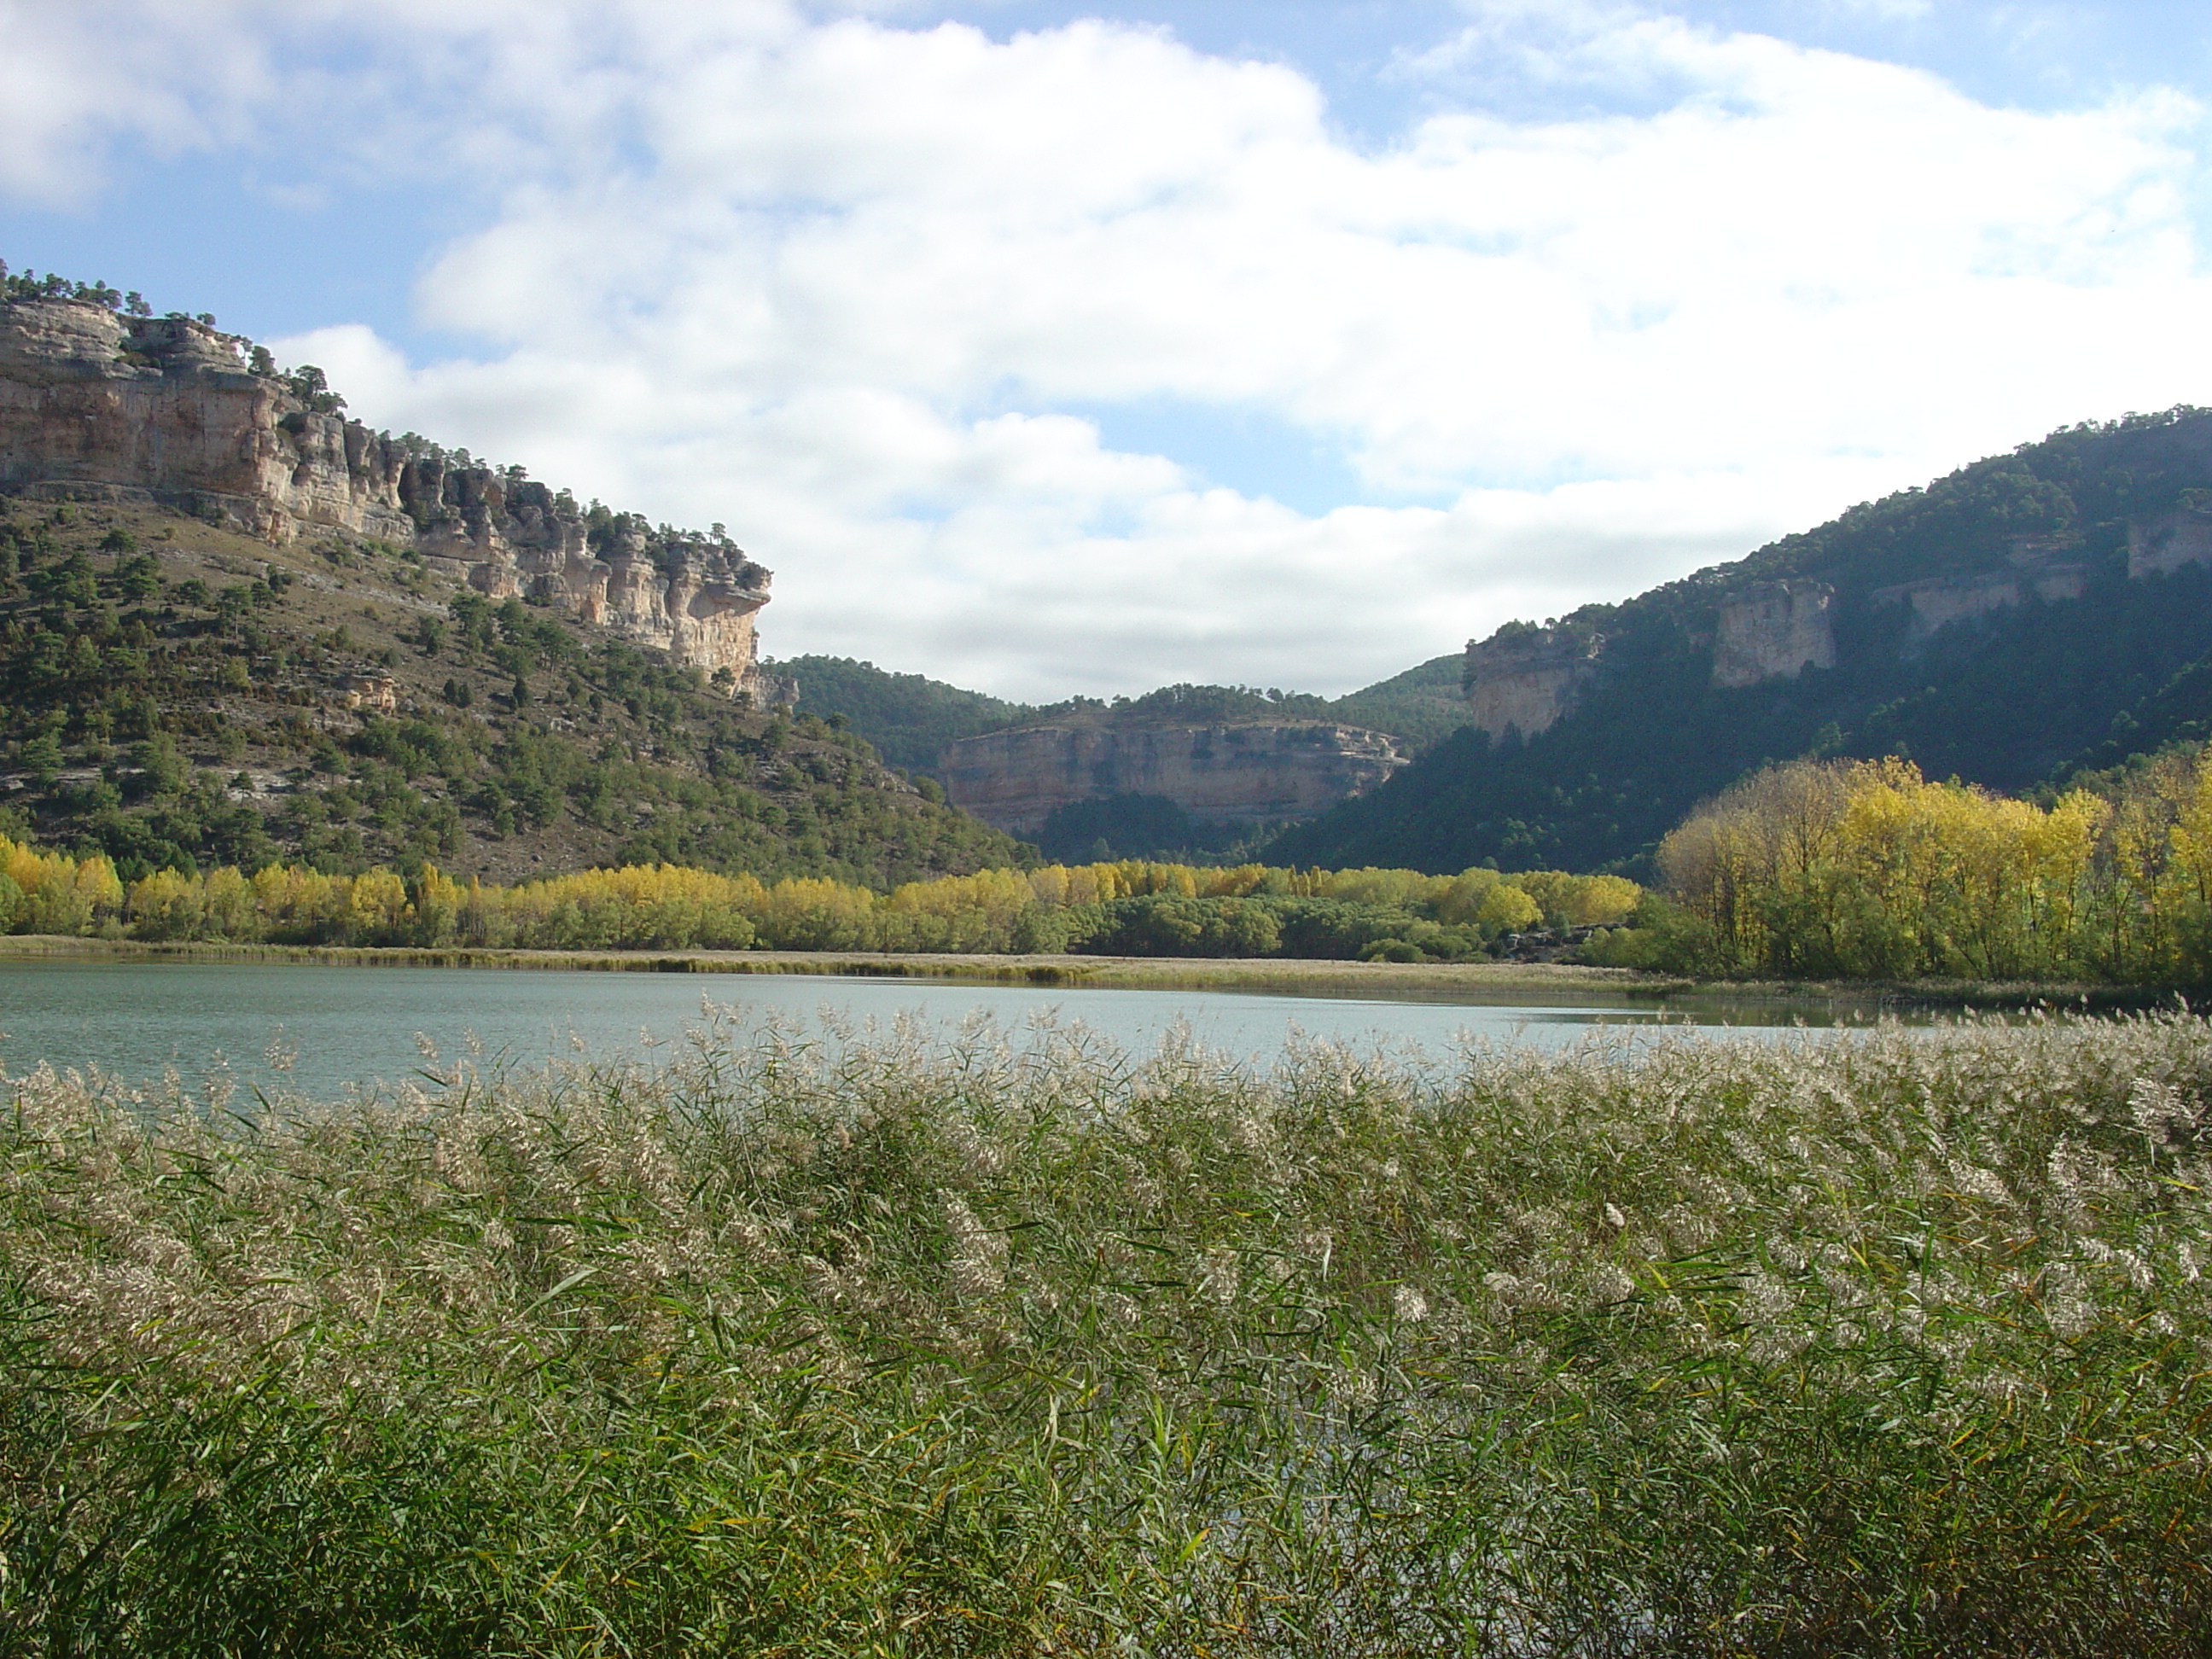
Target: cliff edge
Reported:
[(1255, 776), (99, 406)]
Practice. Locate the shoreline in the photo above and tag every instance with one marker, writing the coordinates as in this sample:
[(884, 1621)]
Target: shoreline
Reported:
[(1475, 982)]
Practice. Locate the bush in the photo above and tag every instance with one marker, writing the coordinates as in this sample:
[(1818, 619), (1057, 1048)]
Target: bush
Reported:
[(1169, 924), (1393, 950), (1661, 937)]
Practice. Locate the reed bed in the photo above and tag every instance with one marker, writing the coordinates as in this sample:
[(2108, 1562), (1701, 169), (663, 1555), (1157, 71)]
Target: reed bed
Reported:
[(886, 1345)]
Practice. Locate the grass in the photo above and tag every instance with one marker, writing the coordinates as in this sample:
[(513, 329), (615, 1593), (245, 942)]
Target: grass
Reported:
[(1888, 1344)]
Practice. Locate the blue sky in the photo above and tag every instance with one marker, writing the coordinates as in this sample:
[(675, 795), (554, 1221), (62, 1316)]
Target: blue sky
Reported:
[(1048, 347)]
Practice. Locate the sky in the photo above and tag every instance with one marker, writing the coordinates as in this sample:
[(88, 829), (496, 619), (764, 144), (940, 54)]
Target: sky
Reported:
[(1050, 348)]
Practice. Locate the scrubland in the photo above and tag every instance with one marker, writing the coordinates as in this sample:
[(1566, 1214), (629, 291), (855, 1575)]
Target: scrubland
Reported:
[(1885, 1344)]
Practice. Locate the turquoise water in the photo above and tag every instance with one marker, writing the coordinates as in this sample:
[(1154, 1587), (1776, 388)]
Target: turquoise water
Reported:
[(319, 1031)]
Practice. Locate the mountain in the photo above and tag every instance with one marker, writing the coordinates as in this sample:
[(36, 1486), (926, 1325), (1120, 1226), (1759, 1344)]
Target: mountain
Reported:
[(906, 717), (1186, 771), (2028, 615), (1420, 707), (1139, 781), (236, 626), (909, 718)]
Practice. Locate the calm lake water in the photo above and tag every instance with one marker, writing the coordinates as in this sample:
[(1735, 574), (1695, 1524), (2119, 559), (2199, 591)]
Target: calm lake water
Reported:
[(320, 1031)]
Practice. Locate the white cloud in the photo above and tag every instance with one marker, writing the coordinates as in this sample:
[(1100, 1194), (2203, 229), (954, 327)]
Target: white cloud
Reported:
[(77, 78), (834, 282), (1882, 11)]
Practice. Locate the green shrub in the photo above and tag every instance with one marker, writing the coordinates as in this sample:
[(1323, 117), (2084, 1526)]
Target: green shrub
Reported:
[(1170, 925)]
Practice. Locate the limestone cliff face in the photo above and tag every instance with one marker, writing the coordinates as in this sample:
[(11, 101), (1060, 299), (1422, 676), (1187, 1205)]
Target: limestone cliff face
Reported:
[(1773, 631), (1259, 775), (170, 410), (2165, 544), (169, 407), (1523, 679), (2036, 568)]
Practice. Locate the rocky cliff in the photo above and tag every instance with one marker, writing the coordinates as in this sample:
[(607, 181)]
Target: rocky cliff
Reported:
[(2039, 568), (2165, 541), (97, 404), (1523, 679), (1773, 631), (1527, 678), (2028, 615), (1259, 775)]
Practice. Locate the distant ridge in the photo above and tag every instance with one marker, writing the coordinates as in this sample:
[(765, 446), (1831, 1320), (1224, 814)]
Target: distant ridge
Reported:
[(2022, 617)]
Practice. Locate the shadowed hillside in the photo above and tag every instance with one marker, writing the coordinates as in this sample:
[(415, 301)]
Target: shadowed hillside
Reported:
[(2027, 614)]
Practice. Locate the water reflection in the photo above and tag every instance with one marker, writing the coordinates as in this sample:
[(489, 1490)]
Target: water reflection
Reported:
[(319, 1031)]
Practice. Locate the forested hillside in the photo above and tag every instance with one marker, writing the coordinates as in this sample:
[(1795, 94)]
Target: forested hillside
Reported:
[(175, 695), (2019, 695), (1424, 705), (909, 717)]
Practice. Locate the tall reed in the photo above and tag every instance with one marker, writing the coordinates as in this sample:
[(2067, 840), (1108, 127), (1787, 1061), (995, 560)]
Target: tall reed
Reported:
[(879, 1345)]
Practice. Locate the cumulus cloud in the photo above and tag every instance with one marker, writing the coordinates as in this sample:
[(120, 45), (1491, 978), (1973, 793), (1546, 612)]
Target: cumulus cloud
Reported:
[(76, 79), (838, 283)]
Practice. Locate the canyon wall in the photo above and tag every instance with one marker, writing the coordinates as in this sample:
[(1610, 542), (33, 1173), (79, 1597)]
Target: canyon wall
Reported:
[(169, 409), (1261, 775), (1773, 630), (1525, 679), (2169, 542), (1522, 679), (2036, 568)]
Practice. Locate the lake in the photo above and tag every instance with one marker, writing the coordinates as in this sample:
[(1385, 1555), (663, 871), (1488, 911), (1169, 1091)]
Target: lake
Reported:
[(321, 1030)]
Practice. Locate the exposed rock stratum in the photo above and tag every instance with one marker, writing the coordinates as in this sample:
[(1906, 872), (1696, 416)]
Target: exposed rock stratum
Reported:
[(1255, 774), (95, 404)]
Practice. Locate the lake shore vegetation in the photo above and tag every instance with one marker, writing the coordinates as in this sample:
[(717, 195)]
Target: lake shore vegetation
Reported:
[(1129, 907), (1866, 870), (1888, 1344)]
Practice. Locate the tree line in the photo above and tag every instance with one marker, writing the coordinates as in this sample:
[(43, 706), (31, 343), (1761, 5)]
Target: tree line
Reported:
[(1130, 907), (1869, 870)]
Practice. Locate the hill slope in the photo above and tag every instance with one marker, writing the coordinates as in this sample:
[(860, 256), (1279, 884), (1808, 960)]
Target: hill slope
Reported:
[(236, 625), (1423, 706), (2026, 615), (907, 717), (179, 694), (911, 718)]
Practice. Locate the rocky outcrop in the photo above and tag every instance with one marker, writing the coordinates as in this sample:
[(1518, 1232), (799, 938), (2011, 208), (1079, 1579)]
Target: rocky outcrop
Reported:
[(2161, 545), (1773, 631), (170, 410), (1258, 775), (2038, 570), (379, 694), (1522, 679)]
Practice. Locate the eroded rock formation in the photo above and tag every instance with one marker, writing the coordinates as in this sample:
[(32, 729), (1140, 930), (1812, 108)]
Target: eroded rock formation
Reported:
[(170, 410), (1257, 775), (1773, 631), (2036, 568), (1523, 677), (2165, 544)]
